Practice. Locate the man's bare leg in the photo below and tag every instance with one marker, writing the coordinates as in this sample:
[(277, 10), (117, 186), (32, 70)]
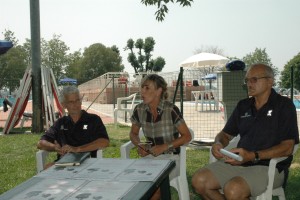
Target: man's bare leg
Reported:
[(237, 189), (206, 184)]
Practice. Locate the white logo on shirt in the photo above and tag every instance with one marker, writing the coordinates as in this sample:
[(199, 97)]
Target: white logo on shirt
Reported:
[(245, 115), (85, 127), (269, 113)]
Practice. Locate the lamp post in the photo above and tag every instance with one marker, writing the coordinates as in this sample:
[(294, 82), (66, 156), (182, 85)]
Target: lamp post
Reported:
[(292, 82), (37, 118)]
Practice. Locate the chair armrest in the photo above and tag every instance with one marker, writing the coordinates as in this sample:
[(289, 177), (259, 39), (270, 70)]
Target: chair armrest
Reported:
[(100, 153), (125, 149), (271, 174), (41, 157), (272, 168), (182, 160)]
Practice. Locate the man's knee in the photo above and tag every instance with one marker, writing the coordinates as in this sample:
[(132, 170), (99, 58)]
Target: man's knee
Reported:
[(236, 188), (200, 180)]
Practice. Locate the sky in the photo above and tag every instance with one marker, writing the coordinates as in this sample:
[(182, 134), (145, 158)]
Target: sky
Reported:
[(236, 26)]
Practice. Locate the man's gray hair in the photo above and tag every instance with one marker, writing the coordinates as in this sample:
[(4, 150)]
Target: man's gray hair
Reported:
[(66, 91), (269, 71)]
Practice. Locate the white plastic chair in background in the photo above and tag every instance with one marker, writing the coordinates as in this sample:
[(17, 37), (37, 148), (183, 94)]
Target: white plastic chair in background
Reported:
[(41, 159), (267, 195), (129, 107), (180, 182)]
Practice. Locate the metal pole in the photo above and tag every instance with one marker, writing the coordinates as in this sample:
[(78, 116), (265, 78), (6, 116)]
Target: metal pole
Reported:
[(37, 120), (292, 82)]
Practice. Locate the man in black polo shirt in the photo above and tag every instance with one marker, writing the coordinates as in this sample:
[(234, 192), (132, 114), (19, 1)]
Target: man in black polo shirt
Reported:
[(77, 132), (267, 125)]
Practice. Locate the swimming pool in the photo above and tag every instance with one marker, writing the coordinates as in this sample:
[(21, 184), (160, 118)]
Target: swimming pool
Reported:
[(11, 99), (297, 103)]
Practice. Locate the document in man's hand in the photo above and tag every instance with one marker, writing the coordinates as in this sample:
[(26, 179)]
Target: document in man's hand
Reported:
[(72, 159)]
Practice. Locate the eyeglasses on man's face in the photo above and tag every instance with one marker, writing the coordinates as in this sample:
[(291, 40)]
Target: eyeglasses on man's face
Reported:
[(254, 79), (77, 101)]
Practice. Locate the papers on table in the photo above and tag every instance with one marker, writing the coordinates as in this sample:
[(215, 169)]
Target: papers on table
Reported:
[(74, 189), (107, 170), (108, 179), (65, 172), (110, 169), (50, 189), (102, 190), (143, 170)]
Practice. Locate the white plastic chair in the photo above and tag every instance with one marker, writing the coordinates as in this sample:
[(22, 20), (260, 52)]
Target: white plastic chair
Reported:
[(41, 158), (119, 107), (267, 195), (180, 182)]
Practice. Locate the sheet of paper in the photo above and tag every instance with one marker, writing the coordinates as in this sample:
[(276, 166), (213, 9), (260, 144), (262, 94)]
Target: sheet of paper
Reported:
[(106, 169), (65, 172), (143, 170), (102, 190), (50, 189)]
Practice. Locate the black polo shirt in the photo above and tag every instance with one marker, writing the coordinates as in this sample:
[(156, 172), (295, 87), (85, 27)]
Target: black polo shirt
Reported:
[(261, 129), (86, 130)]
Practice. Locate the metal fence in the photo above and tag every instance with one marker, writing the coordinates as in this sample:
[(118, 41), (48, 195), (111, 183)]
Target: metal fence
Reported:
[(198, 98)]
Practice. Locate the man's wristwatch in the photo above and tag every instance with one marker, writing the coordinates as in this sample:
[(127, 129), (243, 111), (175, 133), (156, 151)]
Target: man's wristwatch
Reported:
[(256, 159), (170, 146)]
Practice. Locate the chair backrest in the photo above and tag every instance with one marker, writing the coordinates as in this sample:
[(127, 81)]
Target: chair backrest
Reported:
[(129, 106)]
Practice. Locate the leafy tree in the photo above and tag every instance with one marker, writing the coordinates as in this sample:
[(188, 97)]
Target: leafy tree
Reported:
[(73, 68), (98, 59), (162, 8), (143, 61), (259, 56), (157, 64), (286, 73), (12, 64), (27, 49), (54, 55)]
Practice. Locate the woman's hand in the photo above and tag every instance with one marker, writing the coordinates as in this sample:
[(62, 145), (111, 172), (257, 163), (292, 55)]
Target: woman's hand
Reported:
[(158, 149), (142, 151)]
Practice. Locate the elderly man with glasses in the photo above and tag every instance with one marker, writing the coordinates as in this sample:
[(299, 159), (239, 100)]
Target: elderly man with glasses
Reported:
[(267, 125), (78, 132)]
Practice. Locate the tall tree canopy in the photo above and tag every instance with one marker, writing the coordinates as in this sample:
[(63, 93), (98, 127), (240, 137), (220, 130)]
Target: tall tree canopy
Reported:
[(74, 69), (12, 64), (94, 61), (143, 61), (259, 56), (98, 59), (286, 73), (162, 8), (54, 55)]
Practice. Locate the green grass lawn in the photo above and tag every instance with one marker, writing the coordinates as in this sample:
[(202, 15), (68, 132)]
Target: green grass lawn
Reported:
[(17, 156)]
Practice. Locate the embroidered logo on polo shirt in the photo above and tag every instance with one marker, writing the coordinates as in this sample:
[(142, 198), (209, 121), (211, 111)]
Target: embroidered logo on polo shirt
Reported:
[(62, 127), (85, 127), (269, 113), (246, 115)]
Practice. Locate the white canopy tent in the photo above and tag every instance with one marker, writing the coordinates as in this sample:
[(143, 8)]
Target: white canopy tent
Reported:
[(204, 60)]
